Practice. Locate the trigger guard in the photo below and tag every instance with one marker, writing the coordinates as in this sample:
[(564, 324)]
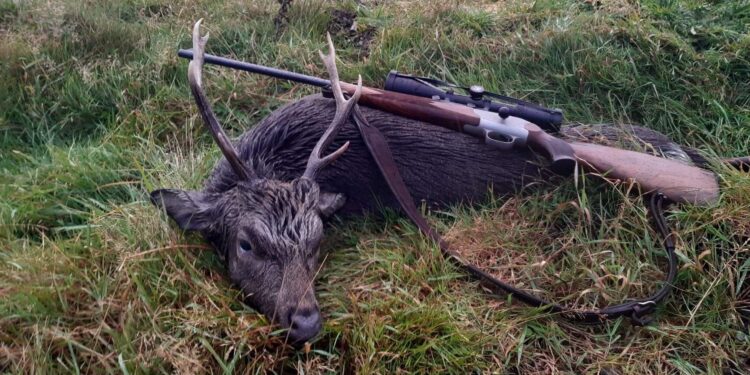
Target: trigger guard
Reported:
[(506, 143)]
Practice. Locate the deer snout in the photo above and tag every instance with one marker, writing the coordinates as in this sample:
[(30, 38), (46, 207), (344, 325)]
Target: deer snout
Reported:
[(305, 324)]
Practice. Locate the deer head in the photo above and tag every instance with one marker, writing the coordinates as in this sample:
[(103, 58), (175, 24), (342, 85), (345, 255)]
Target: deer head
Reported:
[(267, 231)]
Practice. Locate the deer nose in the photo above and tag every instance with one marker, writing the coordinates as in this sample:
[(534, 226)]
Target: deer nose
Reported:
[(304, 324)]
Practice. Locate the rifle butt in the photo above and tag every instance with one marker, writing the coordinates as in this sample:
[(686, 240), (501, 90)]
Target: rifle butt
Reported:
[(679, 182)]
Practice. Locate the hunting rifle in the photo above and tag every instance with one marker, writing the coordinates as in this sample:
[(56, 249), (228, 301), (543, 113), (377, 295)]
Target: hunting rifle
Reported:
[(514, 123)]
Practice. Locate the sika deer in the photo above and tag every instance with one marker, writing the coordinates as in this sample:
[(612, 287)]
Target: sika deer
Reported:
[(263, 206)]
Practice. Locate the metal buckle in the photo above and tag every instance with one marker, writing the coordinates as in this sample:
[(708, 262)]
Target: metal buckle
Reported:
[(641, 315)]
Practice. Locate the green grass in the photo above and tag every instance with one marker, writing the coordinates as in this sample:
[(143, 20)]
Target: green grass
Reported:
[(95, 112)]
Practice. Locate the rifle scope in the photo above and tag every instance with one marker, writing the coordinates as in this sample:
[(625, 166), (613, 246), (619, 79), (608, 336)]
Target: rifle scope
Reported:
[(547, 119)]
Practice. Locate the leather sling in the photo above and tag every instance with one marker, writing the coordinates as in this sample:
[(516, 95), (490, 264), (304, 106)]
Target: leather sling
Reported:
[(639, 311)]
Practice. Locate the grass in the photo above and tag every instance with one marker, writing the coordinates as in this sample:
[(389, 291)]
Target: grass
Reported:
[(95, 112)]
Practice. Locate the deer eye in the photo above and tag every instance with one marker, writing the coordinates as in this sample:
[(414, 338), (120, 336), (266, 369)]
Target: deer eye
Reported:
[(247, 249), (245, 246)]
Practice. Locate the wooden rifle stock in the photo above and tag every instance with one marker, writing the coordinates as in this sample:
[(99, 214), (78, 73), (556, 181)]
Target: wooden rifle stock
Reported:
[(679, 182)]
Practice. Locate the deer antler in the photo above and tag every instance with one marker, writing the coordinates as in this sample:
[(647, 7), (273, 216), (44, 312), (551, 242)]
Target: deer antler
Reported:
[(343, 110), (194, 76)]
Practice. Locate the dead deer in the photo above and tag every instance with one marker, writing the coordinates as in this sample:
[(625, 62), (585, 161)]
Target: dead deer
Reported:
[(263, 206)]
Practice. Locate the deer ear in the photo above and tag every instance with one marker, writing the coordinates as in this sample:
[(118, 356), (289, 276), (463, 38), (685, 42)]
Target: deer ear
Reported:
[(330, 203), (190, 209)]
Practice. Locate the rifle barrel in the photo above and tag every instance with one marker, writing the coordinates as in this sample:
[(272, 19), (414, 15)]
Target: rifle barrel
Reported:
[(259, 69)]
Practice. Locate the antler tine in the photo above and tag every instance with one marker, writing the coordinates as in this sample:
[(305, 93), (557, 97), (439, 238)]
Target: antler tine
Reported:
[(209, 118), (343, 110)]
